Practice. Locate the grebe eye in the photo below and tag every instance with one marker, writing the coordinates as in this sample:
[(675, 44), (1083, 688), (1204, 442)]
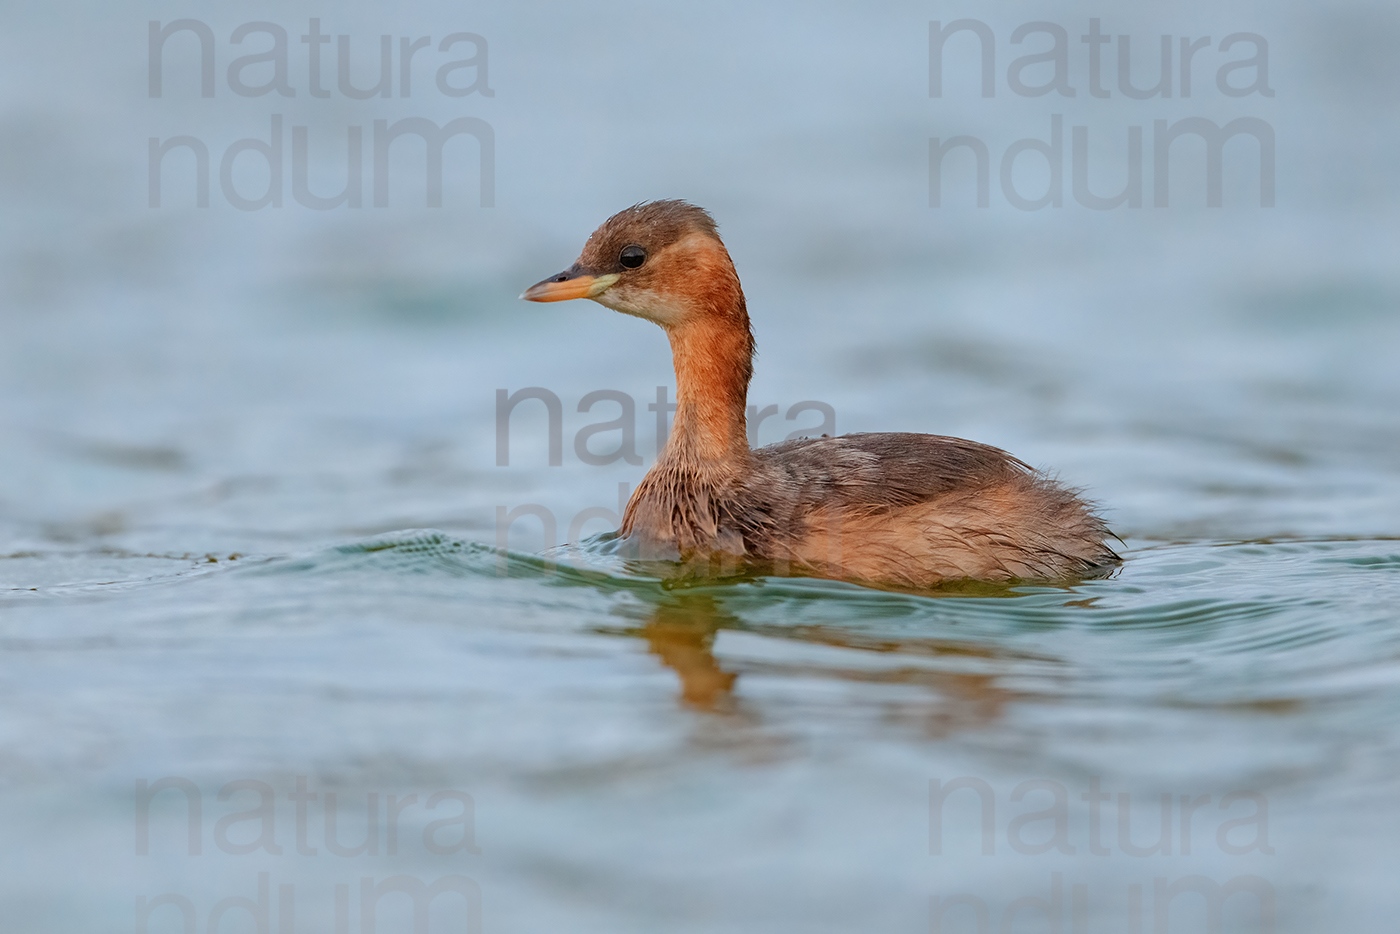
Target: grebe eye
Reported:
[(632, 256)]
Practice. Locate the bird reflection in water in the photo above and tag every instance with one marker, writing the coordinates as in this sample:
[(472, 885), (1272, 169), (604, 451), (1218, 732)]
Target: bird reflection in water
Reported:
[(681, 633), (681, 629)]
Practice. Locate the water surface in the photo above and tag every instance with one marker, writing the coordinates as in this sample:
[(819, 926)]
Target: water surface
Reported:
[(251, 502)]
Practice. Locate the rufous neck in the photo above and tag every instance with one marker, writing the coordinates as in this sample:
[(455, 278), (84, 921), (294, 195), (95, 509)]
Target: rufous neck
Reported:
[(713, 356)]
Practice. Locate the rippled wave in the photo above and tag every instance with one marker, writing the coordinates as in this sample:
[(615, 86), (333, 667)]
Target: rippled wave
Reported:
[(1202, 622)]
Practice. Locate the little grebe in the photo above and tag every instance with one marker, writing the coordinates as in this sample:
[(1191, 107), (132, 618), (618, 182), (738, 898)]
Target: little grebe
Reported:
[(896, 508)]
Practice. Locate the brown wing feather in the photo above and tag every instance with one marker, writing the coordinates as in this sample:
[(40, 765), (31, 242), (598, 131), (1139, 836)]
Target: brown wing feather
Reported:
[(920, 508), (886, 469)]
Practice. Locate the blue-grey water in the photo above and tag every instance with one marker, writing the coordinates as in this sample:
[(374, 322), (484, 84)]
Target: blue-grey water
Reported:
[(281, 637)]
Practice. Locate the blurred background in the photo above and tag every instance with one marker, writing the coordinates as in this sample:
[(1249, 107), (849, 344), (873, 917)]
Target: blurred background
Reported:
[(220, 425)]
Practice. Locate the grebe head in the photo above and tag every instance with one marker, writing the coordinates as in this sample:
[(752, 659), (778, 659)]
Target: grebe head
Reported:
[(659, 260)]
